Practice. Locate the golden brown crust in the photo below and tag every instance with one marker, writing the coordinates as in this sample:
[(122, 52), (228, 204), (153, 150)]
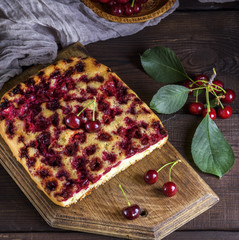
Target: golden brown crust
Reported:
[(125, 120)]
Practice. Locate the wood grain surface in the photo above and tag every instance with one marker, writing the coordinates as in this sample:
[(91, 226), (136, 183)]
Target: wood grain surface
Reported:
[(180, 235), (101, 211), (203, 36)]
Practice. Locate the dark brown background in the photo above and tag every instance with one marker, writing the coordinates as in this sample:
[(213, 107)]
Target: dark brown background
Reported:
[(203, 36)]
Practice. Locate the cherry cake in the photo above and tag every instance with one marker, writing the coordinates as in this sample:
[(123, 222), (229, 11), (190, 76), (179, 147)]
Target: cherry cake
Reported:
[(69, 154)]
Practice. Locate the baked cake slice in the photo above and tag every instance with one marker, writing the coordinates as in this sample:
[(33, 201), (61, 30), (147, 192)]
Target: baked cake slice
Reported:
[(68, 159)]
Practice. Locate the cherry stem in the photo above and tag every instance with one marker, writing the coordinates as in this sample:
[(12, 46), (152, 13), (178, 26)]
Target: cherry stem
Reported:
[(124, 195), (165, 165), (170, 170), (87, 107), (218, 99), (190, 79), (207, 99), (198, 88), (214, 71), (217, 87), (196, 96), (132, 4), (213, 76), (201, 81)]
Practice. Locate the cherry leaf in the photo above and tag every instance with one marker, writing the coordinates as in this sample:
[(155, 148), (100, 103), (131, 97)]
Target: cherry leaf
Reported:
[(163, 65), (210, 150), (213, 103), (169, 99), (197, 92)]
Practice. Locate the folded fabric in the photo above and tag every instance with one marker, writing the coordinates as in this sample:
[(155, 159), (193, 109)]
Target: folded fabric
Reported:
[(31, 30)]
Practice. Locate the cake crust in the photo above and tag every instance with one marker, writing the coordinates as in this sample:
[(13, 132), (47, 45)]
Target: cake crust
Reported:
[(67, 164)]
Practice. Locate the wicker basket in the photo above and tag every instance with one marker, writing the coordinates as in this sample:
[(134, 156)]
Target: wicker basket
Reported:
[(151, 9)]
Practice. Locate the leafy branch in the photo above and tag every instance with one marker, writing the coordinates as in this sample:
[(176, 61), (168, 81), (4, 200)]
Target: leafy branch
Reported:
[(210, 150)]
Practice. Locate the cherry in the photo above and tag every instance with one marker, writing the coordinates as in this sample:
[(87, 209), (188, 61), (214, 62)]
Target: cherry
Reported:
[(201, 77), (92, 126), (44, 138), (142, 1), (212, 113), (120, 7), (218, 83), (137, 7), (225, 112), (72, 121), (112, 2), (187, 84), (117, 10), (122, 1), (229, 96), (169, 189), (132, 211), (128, 10), (151, 176), (196, 108)]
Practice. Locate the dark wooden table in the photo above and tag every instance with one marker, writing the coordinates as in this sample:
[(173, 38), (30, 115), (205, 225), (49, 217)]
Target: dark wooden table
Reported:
[(203, 36)]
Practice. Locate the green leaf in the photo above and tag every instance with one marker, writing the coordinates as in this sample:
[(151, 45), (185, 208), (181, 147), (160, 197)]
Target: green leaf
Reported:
[(197, 92), (169, 99), (213, 103), (163, 65), (210, 150)]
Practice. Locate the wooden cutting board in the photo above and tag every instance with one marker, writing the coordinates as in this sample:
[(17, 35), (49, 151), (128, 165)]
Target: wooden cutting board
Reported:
[(100, 212)]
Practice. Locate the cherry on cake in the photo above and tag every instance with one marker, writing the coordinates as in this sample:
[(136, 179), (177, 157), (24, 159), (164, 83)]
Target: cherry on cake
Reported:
[(75, 125)]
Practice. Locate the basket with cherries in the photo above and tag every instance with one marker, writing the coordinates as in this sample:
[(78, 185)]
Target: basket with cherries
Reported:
[(122, 7)]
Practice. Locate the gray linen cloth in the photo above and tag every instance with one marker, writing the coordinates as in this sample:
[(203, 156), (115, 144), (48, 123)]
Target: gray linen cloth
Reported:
[(31, 29)]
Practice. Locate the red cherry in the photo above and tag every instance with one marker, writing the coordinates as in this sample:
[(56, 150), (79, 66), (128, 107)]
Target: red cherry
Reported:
[(122, 1), (92, 126), (72, 121), (224, 113), (151, 176), (229, 96), (128, 10), (218, 83), (132, 212), (169, 189), (142, 1), (104, 1), (44, 138), (112, 2), (212, 113), (201, 77), (187, 84), (117, 10), (196, 108), (137, 7)]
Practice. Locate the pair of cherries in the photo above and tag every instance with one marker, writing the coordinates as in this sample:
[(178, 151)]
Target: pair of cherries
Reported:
[(225, 96), (74, 122), (151, 176), (169, 188)]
